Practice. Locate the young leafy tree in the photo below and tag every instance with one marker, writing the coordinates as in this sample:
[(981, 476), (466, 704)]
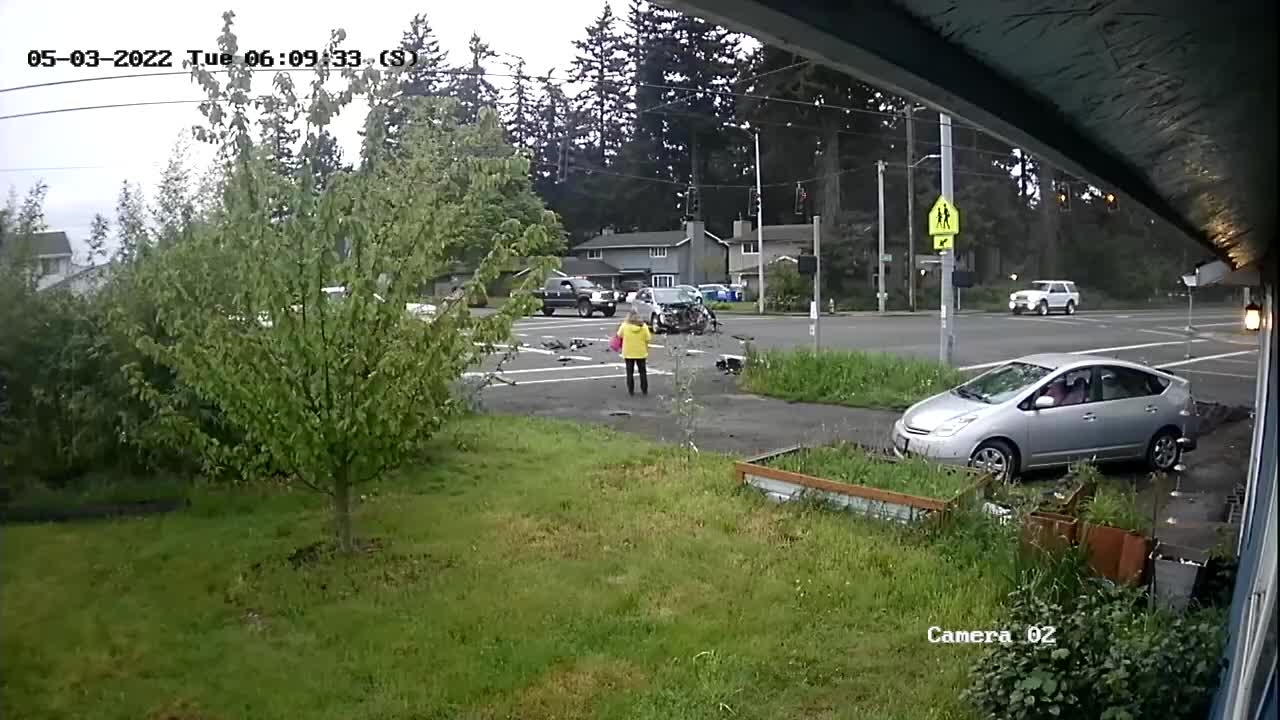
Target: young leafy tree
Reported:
[(337, 390), (22, 221), (131, 222), (174, 207), (8, 213), (97, 242)]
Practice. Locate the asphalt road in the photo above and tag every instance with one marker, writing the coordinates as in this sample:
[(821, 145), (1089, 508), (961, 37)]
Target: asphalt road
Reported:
[(1221, 365)]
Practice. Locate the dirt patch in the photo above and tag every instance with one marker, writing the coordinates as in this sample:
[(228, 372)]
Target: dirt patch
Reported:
[(569, 693)]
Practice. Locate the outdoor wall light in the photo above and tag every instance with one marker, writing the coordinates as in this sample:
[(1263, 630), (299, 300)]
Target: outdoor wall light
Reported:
[(1253, 317)]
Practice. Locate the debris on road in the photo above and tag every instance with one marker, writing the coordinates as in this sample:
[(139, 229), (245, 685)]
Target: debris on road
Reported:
[(729, 365), (554, 344), (579, 343)]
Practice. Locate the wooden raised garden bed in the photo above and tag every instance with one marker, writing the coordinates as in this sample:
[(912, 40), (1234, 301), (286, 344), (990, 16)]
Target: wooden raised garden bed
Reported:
[(783, 484)]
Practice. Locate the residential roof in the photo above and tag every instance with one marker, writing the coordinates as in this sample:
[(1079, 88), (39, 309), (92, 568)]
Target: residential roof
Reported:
[(799, 233), (578, 267), (659, 238), (43, 243)]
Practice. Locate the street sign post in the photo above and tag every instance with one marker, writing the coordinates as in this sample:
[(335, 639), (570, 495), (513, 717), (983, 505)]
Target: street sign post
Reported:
[(944, 225)]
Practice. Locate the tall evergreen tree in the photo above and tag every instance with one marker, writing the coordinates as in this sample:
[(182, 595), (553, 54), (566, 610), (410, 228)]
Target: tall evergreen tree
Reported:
[(522, 111), (470, 86), (600, 66), (429, 76)]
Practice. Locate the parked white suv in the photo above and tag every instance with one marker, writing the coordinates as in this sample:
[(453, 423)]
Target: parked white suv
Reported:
[(1046, 296)]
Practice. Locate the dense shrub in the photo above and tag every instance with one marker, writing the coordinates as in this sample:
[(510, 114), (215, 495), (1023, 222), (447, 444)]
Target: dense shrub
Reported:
[(1113, 659)]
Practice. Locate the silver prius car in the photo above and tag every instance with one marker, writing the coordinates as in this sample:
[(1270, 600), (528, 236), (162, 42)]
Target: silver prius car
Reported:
[(1053, 409)]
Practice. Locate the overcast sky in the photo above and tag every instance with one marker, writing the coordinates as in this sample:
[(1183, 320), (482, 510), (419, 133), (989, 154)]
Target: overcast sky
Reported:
[(133, 143)]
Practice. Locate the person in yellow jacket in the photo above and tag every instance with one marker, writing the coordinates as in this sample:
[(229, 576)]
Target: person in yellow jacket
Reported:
[(635, 351)]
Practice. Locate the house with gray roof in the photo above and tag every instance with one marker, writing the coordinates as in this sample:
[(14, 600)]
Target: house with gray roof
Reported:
[(781, 242), (49, 254), (663, 258)]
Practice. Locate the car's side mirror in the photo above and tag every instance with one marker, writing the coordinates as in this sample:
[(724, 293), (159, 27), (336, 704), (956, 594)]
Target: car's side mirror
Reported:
[(1045, 401)]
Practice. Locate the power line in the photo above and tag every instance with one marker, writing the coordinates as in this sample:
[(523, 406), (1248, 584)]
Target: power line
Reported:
[(472, 73), (100, 107), (736, 82)]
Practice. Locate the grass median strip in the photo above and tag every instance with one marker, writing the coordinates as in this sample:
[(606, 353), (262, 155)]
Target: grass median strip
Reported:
[(528, 568), (846, 377), (845, 462)]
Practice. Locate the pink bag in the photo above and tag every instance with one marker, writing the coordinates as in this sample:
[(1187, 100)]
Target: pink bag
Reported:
[(615, 343)]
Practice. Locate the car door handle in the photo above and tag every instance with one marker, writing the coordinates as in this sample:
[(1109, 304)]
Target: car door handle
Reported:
[(1153, 409), (1089, 417)]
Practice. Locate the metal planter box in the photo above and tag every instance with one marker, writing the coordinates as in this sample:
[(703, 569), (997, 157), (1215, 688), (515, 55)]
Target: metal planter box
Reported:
[(784, 485)]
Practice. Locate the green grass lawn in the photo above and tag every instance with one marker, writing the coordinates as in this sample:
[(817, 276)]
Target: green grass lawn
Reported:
[(527, 569), (848, 463), (846, 377)]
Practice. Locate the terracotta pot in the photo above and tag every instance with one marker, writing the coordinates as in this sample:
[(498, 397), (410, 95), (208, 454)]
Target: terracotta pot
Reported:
[(1133, 559), (1048, 531), (1104, 545)]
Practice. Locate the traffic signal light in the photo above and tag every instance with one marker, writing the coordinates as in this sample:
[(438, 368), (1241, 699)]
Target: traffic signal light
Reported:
[(1111, 200), (802, 198), (753, 202), (1064, 198), (692, 203)]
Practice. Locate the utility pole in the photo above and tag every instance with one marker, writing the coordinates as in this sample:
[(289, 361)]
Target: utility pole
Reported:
[(880, 294), (759, 225), (946, 337), (911, 208), (817, 283)]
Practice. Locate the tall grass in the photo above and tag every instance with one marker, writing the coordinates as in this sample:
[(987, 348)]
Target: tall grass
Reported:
[(846, 377), (845, 462)]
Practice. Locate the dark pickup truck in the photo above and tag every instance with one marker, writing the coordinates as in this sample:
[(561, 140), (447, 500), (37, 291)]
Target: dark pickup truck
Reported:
[(583, 295)]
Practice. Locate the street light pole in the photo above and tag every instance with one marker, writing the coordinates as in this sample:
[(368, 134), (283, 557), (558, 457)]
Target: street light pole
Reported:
[(759, 226), (946, 337), (911, 208), (880, 277)]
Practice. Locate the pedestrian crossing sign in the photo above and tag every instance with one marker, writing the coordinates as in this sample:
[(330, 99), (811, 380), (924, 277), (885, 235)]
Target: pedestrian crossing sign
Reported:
[(944, 218), (943, 242)]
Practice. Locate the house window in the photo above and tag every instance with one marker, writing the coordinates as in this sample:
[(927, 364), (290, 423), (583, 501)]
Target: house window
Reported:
[(595, 254), (750, 248), (48, 266), (658, 252), (664, 280)]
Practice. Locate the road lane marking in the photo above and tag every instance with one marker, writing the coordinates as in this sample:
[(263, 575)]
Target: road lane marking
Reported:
[(542, 370), (614, 376), (519, 348), (1165, 333), (1118, 348), (1221, 374), (1193, 361)]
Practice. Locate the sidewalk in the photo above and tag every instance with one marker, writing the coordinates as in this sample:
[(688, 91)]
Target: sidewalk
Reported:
[(1197, 517)]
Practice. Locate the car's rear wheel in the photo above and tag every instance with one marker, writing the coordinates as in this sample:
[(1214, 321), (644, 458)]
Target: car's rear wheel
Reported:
[(1164, 452), (548, 311), (996, 457), (585, 309), (1071, 307), (1043, 308)]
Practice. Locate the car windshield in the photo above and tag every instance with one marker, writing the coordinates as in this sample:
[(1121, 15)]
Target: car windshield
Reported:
[(1002, 383), (664, 296)]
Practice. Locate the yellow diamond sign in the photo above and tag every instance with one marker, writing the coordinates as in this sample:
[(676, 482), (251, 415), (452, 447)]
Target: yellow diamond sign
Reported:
[(943, 242), (944, 218)]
